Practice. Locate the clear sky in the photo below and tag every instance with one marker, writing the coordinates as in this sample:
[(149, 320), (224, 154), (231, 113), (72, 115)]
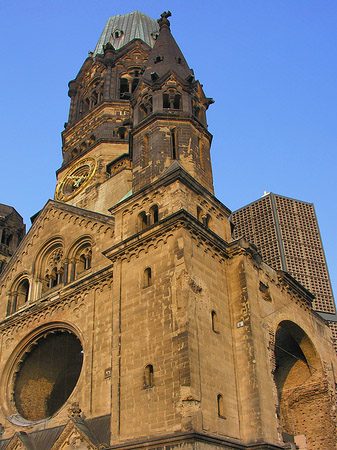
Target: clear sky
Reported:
[(270, 66)]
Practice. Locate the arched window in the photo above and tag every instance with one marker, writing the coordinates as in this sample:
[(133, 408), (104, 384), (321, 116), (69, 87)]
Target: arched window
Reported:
[(122, 132), (154, 214), (171, 100), (18, 296), (54, 268), (148, 376), (199, 213), (83, 259), (145, 106), (117, 34), (142, 221), (207, 221), (147, 277), (124, 91), (53, 277), (6, 237), (215, 325), (221, 408)]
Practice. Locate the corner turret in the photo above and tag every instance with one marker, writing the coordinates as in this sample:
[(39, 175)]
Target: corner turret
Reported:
[(169, 116)]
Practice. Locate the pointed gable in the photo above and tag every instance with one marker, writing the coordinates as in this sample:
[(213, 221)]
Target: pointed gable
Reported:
[(51, 236), (77, 435)]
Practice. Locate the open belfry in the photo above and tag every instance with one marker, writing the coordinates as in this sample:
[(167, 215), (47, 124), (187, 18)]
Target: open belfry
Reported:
[(129, 316)]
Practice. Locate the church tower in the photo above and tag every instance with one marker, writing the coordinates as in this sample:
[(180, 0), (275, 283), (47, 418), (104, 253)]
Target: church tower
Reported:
[(129, 316)]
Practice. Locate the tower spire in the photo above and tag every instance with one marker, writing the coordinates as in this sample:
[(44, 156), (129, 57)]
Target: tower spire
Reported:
[(166, 55)]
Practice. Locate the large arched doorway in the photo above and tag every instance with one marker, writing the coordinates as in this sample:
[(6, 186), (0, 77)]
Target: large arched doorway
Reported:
[(304, 401)]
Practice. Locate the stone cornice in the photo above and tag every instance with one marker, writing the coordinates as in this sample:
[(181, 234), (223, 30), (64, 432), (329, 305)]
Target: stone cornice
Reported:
[(181, 219), (295, 287), (175, 116), (183, 438), (69, 292), (178, 173)]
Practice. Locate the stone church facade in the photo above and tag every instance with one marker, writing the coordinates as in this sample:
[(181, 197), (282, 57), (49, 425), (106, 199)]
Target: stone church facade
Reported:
[(130, 317)]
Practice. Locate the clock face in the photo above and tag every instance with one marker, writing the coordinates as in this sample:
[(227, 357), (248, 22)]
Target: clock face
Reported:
[(75, 180)]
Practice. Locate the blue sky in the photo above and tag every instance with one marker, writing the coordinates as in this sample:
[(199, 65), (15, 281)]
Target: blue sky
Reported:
[(270, 66)]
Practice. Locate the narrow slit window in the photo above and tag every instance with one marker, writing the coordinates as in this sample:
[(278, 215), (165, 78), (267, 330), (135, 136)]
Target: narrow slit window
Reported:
[(166, 101), (154, 214), (174, 143), (215, 324), (142, 221), (148, 376), (221, 408)]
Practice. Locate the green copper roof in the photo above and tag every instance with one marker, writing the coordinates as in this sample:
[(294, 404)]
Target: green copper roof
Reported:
[(119, 30)]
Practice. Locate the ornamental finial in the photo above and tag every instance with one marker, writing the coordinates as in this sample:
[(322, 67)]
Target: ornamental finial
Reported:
[(163, 21)]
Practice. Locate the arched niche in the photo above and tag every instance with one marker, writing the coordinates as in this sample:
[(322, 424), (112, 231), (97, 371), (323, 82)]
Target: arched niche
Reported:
[(304, 403)]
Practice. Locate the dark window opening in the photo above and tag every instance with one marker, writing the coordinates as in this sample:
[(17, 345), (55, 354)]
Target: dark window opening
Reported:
[(142, 221), (166, 101), (54, 278), (171, 100), (148, 376), (207, 221), (177, 101), (122, 132), (118, 34), (6, 237), (134, 84), (221, 409), (124, 88), (147, 277), (158, 59), (154, 214), (215, 325), (174, 143)]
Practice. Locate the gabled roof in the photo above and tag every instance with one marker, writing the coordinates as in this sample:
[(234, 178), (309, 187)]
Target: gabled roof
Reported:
[(134, 25), (54, 210), (94, 432)]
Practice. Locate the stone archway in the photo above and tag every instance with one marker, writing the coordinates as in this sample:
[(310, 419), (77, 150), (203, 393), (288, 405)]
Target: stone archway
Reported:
[(304, 400)]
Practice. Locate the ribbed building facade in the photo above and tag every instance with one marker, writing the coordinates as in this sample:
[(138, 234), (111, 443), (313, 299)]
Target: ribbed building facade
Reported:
[(286, 233)]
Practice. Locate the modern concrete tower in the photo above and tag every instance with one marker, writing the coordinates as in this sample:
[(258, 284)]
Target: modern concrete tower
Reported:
[(287, 235), (129, 317)]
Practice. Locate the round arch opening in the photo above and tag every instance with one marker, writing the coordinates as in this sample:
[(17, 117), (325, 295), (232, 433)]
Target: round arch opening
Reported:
[(303, 397), (46, 373)]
